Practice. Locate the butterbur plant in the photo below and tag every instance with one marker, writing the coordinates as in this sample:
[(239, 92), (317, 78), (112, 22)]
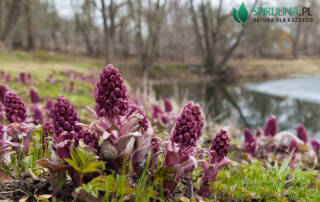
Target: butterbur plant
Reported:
[(250, 142), (302, 134), (15, 108), (34, 96), (217, 159), (64, 117), (189, 125), (111, 94), (271, 127)]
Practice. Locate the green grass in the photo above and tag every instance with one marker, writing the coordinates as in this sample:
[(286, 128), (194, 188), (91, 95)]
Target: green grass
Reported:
[(267, 183)]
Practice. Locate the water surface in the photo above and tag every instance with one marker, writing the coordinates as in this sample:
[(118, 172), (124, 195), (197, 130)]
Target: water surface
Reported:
[(293, 101)]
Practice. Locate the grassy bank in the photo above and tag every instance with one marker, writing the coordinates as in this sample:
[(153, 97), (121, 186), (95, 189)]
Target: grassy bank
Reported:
[(244, 181)]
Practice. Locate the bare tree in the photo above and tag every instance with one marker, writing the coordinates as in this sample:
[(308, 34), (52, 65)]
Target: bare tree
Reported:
[(85, 22), (148, 15), (28, 7), (208, 27), (12, 19), (109, 13)]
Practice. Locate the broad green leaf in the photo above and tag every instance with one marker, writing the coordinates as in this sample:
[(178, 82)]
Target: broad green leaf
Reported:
[(73, 164), (243, 13), (83, 156), (94, 164), (89, 170), (235, 15)]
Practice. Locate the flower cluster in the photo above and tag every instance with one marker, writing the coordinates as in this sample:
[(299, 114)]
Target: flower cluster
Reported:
[(189, 126), (250, 142), (302, 134), (34, 96), (111, 94), (15, 108), (220, 145), (167, 105), (3, 90), (271, 127), (64, 116)]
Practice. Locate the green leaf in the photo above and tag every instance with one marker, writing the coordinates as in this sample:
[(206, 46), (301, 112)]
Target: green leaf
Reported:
[(83, 156), (235, 15), (73, 164), (243, 13), (94, 164), (89, 170)]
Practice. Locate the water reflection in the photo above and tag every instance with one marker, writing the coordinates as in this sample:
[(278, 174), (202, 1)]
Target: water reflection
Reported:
[(252, 109)]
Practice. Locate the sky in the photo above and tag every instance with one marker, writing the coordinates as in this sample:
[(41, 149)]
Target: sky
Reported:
[(64, 7)]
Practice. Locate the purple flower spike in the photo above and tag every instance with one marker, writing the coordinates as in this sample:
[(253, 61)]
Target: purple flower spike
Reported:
[(315, 145), (64, 116), (249, 141), (23, 78), (37, 115), (293, 146), (144, 124), (34, 96), (8, 78), (271, 127), (111, 94), (3, 90), (15, 108), (167, 105), (220, 144), (302, 134), (189, 126), (259, 132), (89, 139), (156, 111)]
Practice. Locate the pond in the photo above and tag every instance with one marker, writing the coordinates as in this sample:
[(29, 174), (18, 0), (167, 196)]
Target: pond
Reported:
[(293, 101)]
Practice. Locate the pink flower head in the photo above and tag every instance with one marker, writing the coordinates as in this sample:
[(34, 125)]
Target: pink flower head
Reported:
[(34, 96), (111, 94), (259, 132), (250, 141), (15, 108), (134, 108), (89, 139), (156, 111), (3, 90), (49, 107), (220, 145), (154, 145), (293, 146), (189, 126), (8, 78), (64, 143), (23, 78), (167, 105), (29, 76), (64, 116), (302, 134), (37, 115), (271, 127), (315, 145)]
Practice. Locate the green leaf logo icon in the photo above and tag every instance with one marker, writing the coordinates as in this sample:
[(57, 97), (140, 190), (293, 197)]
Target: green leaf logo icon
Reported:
[(241, 15)]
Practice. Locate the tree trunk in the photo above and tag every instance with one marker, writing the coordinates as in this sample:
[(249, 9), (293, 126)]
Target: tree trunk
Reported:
[(30, 45), (11, 20), (105, 30)]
